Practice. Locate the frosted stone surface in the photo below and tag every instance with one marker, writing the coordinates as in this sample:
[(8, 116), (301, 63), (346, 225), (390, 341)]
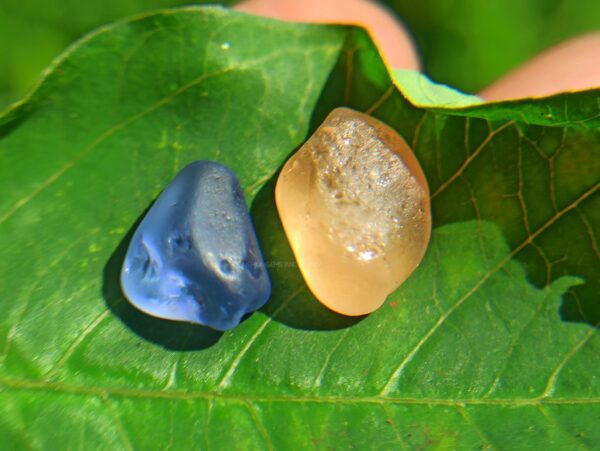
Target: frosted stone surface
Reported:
[(195, 256), (354, 204)]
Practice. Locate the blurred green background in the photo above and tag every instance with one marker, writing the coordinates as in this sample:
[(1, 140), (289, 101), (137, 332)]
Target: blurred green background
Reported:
[(464, 43)]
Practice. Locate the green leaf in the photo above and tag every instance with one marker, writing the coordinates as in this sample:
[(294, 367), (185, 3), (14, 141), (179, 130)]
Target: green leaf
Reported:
[(491, 343), (423, 92)]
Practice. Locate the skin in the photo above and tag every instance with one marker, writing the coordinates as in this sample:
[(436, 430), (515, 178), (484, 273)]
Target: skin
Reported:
[(569, 66)]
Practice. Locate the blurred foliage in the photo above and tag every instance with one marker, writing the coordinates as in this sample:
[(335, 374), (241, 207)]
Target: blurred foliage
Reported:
[(469, 43), (33, 32), (464, 43)]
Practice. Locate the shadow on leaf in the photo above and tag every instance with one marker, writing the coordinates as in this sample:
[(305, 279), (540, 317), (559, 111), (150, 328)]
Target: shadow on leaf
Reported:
[(173, 335)]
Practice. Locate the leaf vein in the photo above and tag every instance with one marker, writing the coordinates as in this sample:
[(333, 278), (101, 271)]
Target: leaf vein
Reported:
[(441, 320), (188, 396), (259, 427), (391, 421), (117, 422), (76, 342), (237, 359), (463, 413), (325, 366), (553, 379), (25, 299), (469, 160)]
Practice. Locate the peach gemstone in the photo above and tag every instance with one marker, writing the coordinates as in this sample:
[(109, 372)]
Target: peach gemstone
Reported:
[(354, 204)]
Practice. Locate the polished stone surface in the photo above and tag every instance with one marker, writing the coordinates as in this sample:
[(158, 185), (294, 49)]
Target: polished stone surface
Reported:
[(354, 203), (195, 256)]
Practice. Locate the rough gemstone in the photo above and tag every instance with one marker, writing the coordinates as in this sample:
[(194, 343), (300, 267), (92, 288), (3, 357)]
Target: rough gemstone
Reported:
[(354, 203), (195, 256)]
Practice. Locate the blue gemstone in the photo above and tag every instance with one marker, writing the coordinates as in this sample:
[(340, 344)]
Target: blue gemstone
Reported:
[(195, 256)]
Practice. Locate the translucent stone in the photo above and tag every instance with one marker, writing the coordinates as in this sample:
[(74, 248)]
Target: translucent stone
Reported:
[(354, 203), (195, 256)]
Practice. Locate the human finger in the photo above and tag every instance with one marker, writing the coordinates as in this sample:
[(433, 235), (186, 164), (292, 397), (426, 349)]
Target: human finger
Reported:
[(571, 65), (391, 37)]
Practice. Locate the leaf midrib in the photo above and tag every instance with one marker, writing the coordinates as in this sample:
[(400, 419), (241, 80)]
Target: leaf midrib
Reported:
[(179, 395)]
